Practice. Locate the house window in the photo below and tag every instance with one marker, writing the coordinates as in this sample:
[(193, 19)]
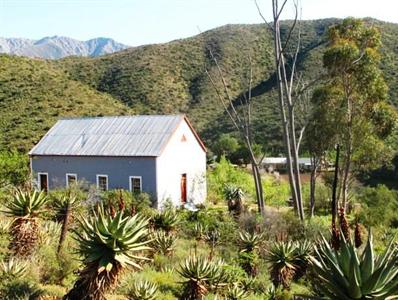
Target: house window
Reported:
[(71, 179), (136, 184), (102, 182), (43, 181)]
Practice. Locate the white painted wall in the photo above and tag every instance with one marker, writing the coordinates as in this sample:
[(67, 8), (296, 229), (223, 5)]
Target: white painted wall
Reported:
[(178, 158)]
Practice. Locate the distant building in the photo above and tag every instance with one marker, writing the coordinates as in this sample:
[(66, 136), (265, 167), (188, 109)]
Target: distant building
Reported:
[(160, 155), (280, 163)]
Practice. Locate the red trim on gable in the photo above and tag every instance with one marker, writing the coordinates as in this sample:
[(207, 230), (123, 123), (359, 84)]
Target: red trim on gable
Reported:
[(195, 134), (184, 118)]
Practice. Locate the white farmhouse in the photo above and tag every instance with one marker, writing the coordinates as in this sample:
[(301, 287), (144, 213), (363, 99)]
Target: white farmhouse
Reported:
[(160, 155)]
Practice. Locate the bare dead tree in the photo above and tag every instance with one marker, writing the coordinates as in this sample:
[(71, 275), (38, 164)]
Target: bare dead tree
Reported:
[(286, 77), (240, 114)]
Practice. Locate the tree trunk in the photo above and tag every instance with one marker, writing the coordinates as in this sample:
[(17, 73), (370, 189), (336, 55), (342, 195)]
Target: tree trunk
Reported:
[(314, 171), (64, 229), (334, 188), (259, 187), (287, 122)]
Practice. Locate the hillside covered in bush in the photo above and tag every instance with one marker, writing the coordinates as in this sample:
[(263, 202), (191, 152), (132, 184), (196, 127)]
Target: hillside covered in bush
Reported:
[(164, 78)]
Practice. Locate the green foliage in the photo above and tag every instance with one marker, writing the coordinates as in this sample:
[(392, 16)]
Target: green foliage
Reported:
[(226, 145), (112, 241), (12, 269), (250, 241), (26, 204), (235, 292), (358, 93), (282, 259), (200, 275), (349, 274), (128, 201), (162, 242), (19, 289), (14, 168), (35, 93), (379, 206), (143, 290), (224, 173), (166, 220)]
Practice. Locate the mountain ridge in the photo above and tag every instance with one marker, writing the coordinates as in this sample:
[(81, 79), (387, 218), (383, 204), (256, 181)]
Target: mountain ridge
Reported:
[(56, 47)]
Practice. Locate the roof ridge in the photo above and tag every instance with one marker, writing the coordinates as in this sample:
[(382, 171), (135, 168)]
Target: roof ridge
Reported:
[(123, 116)]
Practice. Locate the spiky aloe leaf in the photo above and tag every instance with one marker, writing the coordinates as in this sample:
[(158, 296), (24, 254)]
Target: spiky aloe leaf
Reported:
[(249, 241), (108, 239), (26, 204), (143, 290), (162, 242), (12, 268), (366, 277), (200, 274), (282, 259)]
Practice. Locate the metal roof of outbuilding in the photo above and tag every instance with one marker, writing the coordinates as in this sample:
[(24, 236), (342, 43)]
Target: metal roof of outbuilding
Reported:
[(110, 136)]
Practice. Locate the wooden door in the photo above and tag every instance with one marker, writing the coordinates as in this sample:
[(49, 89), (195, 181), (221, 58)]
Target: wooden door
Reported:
[(184, 188)]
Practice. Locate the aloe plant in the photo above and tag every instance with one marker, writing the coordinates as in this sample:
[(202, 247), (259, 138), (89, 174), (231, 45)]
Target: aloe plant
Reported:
[(236, 292), (282, 259), (348, 274), (143, 290), (108, 245), (25, 208), (302, 254), (166, 220), (234, 196), (12, 269), (64, 206), (162, 242), (249, 241), (200, 275)]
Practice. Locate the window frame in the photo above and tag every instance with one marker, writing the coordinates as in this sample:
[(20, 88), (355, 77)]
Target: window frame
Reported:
[(39, 180), (67, 177), (107, 182), (131, 182)]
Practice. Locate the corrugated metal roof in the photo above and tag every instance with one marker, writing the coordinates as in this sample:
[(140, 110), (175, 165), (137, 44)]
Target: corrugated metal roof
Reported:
[(109, 136)]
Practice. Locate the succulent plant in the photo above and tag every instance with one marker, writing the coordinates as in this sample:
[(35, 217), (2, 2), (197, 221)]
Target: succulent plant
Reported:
[(49, 231), (236, 292), (200, 274), (108, 245), (282, 259), (166, 220), (198, 231), (348, 274), (12, 269), (26, 204), (24, 208), (303, 251), (234, 196), (249, 241), (162, 242), (143, 290), (212, 236), (5, 226)]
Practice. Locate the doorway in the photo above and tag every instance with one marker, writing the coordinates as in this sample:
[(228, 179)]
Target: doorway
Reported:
[(43, 181), (184, 188)]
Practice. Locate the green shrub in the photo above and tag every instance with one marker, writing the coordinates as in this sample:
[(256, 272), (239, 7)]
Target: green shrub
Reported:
[(19, 289), (379, 206), (14, 168)]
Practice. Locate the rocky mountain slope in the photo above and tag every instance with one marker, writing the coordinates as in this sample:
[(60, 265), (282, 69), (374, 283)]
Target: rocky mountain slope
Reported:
[(58, 47)]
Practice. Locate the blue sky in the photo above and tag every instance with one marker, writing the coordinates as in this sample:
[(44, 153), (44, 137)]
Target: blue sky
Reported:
[(137, 22)]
